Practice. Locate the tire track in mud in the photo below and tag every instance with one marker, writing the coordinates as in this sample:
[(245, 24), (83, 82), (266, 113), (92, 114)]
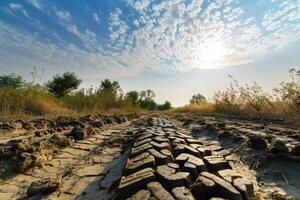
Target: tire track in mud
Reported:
[(269, 153), (168, 163), (144, 159)]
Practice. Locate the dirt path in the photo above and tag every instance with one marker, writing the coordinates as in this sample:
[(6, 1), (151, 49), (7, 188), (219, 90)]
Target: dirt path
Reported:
[(149, 158)]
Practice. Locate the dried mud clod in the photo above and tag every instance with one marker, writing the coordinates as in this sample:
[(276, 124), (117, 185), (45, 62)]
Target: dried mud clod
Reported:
[(44, 139)]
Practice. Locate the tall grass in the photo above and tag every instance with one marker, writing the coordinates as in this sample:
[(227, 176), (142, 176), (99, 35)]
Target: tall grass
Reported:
[(95, 102), (37, 101), (283, 102), (31, 101)]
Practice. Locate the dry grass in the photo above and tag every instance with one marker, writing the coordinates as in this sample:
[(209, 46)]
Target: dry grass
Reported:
[(28, 101), (196, 108), (32, 102)]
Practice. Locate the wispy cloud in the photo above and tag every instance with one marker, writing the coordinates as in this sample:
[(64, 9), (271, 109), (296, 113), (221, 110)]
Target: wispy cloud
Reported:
[(36, 3), (96, 17), (63, 15), (18, 7)]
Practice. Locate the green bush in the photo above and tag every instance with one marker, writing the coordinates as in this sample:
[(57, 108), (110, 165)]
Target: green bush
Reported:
[(61, 86)]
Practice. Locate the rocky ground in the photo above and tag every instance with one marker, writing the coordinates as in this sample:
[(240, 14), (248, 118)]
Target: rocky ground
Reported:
[(149, 157)]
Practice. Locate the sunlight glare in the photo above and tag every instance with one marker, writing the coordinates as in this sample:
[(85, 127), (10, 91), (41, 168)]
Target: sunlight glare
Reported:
[(213, 55)]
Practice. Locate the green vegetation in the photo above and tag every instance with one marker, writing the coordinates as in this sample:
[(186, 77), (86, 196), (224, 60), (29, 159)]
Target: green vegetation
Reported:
[(61, 86), (11, 81), (198, 99), (165, 106), (61, 95)]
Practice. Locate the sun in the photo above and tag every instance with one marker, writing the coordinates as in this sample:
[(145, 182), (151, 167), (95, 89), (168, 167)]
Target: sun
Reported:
[(214, 53)]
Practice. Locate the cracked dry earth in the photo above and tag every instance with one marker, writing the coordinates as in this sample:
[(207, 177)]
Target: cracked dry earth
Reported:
[(154, 157)]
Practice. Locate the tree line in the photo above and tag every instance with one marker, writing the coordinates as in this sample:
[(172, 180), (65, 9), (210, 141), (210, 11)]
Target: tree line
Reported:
[(109, 94)]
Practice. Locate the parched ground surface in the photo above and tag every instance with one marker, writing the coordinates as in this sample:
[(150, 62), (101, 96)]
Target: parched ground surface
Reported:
[(152, 157)]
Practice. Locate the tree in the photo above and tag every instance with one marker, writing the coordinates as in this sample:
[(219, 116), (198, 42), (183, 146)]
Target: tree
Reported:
[(61, 86), (133, 96), (147, 95), (12, 81), (147, 100), (165, 106), (198, 99), (112, 87)]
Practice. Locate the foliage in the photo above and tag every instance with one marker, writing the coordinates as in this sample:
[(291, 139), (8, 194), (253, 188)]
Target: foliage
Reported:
[(288, 93), (111, 87), (165, 106), (132, 96), (30, 100), (237, 98), (146, 100), (198, 99), (61, 86), (11, 81)]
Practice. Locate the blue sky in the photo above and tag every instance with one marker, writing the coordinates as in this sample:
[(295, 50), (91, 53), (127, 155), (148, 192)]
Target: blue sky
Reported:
[(178, 48)]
